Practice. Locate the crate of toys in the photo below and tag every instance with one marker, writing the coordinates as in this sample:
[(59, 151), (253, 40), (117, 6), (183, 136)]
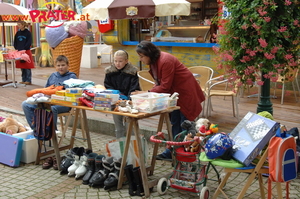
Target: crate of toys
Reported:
[(150, 102)]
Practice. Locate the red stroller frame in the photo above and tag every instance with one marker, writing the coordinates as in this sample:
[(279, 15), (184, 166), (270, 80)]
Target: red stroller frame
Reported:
[(188, 174)]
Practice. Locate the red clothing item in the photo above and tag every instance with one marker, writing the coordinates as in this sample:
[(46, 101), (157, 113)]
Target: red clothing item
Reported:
[(26, 65), (173, 76)]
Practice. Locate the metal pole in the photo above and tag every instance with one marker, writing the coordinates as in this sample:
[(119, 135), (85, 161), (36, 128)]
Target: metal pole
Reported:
[(264, 103), (4, 43)]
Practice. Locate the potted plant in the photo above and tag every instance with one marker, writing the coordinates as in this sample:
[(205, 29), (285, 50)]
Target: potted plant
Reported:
[(258, 41)]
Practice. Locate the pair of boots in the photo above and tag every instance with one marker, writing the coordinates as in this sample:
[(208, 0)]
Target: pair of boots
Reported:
[(94, 162), (133, 175), (106, 173), (68, 160), (79, 167)]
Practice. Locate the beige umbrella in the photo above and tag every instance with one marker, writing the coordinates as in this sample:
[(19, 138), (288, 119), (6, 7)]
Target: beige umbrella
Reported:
[(122, 9)]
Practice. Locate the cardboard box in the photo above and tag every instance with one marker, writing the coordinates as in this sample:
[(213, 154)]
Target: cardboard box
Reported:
[(62, 102), (111, 97), (58, 97), (60, 93), (72, 99), (251, 135), (74, 90), (30, 147), (77, 95)]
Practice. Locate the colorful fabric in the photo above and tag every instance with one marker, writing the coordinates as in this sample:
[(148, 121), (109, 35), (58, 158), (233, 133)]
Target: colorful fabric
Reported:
[(28, 64), (47, 91)]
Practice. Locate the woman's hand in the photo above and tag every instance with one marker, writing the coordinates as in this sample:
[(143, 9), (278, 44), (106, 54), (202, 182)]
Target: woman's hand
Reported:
[(138, 92)]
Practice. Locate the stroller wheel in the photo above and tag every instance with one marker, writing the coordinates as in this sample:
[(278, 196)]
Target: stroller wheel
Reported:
[(162, 186), (204, 194)]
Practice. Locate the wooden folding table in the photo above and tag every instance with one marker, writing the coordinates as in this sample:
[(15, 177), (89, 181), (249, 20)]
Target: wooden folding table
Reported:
[(133, 125)]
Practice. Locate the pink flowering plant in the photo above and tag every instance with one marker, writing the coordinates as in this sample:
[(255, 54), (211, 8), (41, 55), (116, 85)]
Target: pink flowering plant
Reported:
[(259, 37)]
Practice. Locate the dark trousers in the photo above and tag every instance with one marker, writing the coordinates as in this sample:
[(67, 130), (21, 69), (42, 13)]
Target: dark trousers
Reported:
[(26, 75), (176, 118)]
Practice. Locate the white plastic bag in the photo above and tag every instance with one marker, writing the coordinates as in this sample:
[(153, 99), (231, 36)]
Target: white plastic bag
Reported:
[(115, 148)]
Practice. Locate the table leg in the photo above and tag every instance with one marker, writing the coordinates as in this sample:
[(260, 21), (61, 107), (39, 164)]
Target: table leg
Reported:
[(14, 84), (163, 117), (56, 150), (141, 160), (124, 158), (75, 122), (86, 129)]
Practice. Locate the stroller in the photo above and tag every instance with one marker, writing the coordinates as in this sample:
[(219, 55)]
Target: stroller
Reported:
[(188, 173)]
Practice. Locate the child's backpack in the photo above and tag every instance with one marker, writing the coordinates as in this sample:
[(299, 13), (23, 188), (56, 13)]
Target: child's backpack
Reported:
[(282, 160), (43, 123)]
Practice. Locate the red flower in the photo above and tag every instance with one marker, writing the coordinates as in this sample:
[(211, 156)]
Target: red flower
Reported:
[(262, 42)]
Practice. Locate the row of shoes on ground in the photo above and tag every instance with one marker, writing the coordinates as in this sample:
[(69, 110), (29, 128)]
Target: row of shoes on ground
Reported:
[(96, 170), (50, 162), (74, 163), (102, 172)]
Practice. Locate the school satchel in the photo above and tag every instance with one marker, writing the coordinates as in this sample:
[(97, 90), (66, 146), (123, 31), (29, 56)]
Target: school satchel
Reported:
[(43, 123), (282, 160)]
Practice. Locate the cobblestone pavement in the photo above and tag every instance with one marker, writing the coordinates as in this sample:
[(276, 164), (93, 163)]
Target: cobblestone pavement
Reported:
[(31, 181)]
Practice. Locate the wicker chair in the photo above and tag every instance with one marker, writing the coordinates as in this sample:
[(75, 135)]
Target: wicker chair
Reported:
[(146, 80)]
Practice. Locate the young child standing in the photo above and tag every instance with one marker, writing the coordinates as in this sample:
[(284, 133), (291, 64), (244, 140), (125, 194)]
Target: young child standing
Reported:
[(22, 41), (122, 76)]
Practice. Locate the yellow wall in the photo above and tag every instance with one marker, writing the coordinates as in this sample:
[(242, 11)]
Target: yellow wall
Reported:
[(189, 56)]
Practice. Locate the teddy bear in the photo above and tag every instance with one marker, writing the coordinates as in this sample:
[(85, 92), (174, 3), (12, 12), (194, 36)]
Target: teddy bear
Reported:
[(194, 147), (11, 126)]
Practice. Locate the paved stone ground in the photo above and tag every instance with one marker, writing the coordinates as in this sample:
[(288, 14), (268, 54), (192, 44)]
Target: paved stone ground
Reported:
[(31, 181)]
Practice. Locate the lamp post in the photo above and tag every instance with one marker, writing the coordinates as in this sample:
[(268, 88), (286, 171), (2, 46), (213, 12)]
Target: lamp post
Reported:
[(265, 103)]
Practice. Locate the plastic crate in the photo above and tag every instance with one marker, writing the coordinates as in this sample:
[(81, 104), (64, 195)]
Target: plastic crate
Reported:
[(172, 102), (150, 102), (30, 146)]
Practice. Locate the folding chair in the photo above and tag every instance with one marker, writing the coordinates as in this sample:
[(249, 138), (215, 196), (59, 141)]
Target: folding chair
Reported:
[(254, 172)]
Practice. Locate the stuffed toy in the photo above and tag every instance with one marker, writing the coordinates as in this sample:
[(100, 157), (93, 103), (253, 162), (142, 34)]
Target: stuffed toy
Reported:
[(205, 127), (125, 106), (195, 146), (189, 126), (202, 122), (204, 131), (11, 126)]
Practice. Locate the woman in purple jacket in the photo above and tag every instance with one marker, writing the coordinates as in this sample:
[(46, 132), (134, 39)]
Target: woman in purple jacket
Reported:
[(171, 76)]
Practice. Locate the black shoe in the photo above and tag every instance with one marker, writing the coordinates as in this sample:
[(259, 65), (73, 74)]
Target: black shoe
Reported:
[(162, 157)]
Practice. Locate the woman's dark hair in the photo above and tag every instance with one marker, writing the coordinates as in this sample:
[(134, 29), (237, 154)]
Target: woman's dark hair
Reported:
[(62, 58), (148, 49)]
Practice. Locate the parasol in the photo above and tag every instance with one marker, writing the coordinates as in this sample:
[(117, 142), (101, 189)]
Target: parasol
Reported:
[(7, 9), (120, 9), (98, 10), (129, 9)]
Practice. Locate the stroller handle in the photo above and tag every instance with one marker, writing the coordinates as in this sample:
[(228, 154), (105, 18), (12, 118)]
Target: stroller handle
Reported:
[(153, 138)]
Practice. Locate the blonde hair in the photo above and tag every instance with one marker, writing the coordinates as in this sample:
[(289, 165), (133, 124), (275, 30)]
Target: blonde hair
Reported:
[(122, 53), (23, 23)]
